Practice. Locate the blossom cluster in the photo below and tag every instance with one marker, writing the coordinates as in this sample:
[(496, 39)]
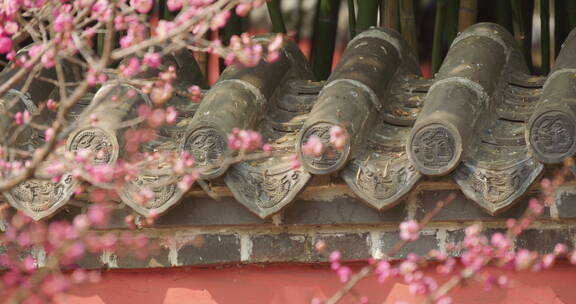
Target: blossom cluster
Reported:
[(246, 141), (477, 252), (71, 50), (30, 245), (316, 146), (75, 33)]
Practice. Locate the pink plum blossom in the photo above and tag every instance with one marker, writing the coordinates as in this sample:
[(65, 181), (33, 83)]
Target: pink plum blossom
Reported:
[(244, 140), (275, 44), (338, 137), (64, 21), (409, 230), (273, 56), (267, 148), (156, 118), (447, 267), (383, 271), (320, 246), (344, 273), (11, 27), (144, 196), (174, 5), (313, 147), (142, 6), (195, 93), (5, 45), (187, 181), (48, 59), (54, 285), (535, 206), (524, 259), (49, 134), (219, 20), (548, 260), (132, 68), (51, 104), (560, 249), (101, 174), (81, 222), (171, 115), (242, 9), (161, 93), (152, 60), (19, 118), (165, 27), (29, 264), (294, 161), (94, 78), (500, 241), (98, 214), (572, 257), (334, 256)]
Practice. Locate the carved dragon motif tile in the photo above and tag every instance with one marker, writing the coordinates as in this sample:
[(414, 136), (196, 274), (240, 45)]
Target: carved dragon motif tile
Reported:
[(495, 177), (383, 174), (267, 187)]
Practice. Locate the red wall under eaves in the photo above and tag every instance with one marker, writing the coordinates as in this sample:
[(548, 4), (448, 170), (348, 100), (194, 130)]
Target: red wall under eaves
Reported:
[(280, 284)]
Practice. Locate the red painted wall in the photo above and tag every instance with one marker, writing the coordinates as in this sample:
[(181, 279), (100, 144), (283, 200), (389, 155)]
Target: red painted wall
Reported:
[(279, 284)]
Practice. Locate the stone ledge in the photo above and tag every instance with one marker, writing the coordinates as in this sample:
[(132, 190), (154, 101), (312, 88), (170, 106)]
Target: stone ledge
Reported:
[(189, 249), (464, 209), (340, 208)]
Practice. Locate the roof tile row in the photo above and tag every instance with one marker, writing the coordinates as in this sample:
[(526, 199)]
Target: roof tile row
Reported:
[(483, 119)]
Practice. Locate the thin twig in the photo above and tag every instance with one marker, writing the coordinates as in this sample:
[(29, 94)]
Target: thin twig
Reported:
[(367, 270), (23, 71), (125, 52), (66, 105), (470, 272)]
